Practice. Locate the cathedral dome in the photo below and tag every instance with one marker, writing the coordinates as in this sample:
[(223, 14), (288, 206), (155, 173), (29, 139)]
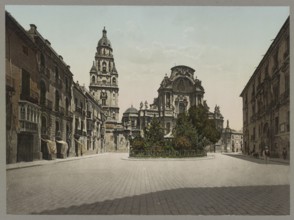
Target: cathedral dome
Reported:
[(104, 40), (131, 110)]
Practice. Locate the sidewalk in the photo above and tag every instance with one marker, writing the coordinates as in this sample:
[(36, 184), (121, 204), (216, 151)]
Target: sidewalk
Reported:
[(276, 160), (47, 162)]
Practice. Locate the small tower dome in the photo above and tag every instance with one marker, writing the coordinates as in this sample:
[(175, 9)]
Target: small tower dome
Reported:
[(104, 42)]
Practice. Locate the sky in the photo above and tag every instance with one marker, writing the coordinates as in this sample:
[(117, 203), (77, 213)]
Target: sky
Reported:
[(223, 44)]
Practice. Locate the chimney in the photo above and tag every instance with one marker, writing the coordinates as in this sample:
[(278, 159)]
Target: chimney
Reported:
[(60, 57)]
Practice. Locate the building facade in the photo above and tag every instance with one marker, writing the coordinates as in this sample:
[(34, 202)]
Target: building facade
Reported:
[(45, 109), (231, 140), (104, 85), (176, 95), (266, 100), (88, 121), (79, 115), (95, 124), (23, 113), (55, 91)]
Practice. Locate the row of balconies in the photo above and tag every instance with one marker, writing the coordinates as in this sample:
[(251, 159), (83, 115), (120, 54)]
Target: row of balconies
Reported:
[(284, 97), (46, 104)]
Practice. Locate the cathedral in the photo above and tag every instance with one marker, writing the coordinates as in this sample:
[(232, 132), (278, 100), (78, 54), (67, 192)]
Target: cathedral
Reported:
[(176, 94)]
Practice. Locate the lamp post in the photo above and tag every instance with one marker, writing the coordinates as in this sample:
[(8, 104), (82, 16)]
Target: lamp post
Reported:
[(127, 132)]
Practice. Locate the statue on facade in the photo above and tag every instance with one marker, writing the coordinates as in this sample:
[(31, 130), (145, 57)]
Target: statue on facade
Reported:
[(216, 109), (141, 105), (146, 105)]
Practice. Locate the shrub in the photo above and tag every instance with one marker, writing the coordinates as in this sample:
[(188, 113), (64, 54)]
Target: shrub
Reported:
[(137, 143), (183, 142)]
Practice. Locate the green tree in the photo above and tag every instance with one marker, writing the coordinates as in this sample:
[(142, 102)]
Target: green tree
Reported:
[(154, 134), (211, 132), (199, 117), (205, 127), (185, 135)]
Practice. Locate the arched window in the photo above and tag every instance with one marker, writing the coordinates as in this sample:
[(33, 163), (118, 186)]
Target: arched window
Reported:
[(42, 60), (104, 67), (93, 79), (56, 73), (114, 80)]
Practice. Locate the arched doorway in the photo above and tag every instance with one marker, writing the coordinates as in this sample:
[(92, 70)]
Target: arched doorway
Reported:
[(182, 107), (43, 125)]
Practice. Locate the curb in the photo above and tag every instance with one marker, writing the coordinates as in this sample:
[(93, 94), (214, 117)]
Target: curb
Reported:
[(36, 163), (170, 159)]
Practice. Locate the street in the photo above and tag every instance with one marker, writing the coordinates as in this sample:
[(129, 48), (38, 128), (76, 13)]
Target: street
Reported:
[(113, 184)]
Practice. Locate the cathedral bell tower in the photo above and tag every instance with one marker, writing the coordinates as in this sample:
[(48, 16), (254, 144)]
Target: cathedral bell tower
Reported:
[(104, 80)]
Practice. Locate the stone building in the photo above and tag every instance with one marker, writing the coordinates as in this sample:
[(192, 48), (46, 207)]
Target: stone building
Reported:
[(95, 124), (55, 89), (176, 95), (104, 85), (79, 115), (266, 110), (44, 107), (89, 120), (231, 140), (23, 114)]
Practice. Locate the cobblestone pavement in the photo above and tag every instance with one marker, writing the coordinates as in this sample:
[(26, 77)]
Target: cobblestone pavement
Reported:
[(112, 184)]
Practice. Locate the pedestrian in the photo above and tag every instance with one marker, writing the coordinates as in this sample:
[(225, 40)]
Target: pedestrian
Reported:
[(284, 153), (266, 154)]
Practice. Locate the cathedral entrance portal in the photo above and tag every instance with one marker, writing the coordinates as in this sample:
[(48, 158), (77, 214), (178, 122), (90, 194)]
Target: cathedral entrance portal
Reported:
[(182, 107)]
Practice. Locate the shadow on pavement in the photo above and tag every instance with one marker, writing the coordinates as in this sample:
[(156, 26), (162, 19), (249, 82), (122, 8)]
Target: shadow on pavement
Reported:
[(247, 200), (256, 160)]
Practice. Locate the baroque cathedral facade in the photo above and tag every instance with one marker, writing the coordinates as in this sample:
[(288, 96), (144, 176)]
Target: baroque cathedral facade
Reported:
[(176, 94)]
